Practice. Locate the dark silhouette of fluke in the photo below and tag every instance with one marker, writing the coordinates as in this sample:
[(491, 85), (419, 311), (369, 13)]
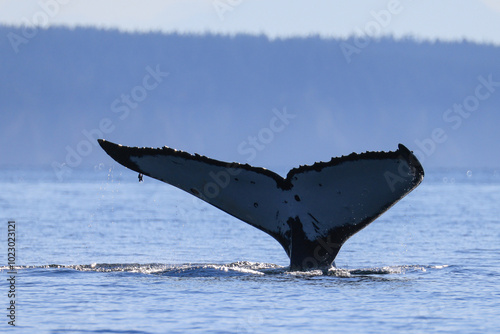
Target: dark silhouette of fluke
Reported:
[(311, 212)]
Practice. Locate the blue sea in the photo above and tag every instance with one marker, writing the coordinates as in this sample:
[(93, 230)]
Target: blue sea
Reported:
[(100, 252)]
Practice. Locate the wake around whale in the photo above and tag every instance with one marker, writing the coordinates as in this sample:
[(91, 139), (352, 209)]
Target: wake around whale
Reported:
[(311, 213)]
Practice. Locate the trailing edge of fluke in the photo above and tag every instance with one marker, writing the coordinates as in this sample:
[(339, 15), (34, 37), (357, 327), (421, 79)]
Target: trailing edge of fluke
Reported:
[(311, 212)]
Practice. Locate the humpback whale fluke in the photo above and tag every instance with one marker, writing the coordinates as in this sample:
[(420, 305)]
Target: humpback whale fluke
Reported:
[(311, 212)]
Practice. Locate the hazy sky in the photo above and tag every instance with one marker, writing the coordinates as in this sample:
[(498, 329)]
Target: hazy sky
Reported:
[(477, 20)]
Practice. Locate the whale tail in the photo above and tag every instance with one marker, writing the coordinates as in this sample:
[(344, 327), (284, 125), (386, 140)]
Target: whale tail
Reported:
[(311, 213)]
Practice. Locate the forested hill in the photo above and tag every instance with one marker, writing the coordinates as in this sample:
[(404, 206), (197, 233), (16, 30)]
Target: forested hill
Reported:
[(58, 84)]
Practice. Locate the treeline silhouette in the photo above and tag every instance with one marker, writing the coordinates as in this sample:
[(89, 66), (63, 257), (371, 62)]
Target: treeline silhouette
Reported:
[(222, 89)]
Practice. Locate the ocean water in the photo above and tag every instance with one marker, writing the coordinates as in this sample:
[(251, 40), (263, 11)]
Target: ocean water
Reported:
[(103, 253)]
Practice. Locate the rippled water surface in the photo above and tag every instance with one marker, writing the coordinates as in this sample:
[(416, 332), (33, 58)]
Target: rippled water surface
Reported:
[(101, 252)]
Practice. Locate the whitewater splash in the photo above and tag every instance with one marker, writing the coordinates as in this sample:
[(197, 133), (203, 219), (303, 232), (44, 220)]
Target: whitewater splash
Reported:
[(232, 269)]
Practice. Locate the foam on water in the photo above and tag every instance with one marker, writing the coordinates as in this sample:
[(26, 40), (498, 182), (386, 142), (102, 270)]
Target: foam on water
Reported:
[(232, 269)]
